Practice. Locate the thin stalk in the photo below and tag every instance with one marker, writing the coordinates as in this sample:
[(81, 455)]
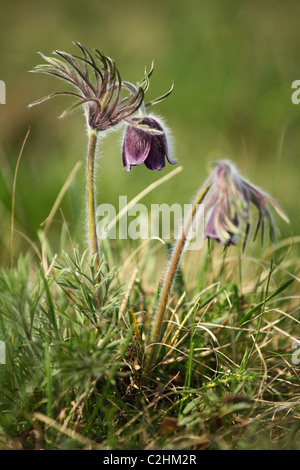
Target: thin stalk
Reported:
[(166, 290), (91, 198), (14, 201)]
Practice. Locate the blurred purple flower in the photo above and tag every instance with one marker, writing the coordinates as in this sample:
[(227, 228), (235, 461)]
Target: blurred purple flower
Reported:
[(145, 142), (228, 206)]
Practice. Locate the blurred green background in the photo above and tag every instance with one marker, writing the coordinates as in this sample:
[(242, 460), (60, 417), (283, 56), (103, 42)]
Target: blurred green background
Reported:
[(232, 63)]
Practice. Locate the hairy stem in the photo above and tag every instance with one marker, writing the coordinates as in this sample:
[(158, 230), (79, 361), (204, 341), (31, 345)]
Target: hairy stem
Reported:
[(166, 290), (91, 199)]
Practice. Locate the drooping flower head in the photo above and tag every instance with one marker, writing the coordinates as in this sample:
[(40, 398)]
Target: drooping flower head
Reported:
[(146, 138), (97, 84), (146, 142), (227, 208)]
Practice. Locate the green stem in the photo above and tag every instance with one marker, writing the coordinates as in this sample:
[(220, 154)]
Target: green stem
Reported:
[(166, 290), (91, 199)]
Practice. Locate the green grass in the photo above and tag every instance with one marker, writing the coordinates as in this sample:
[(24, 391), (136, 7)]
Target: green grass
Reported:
[(223, 377)]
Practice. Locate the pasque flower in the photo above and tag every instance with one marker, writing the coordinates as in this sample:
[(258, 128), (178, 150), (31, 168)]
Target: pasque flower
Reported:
[(146, 142), (107, 101), (227, 207), (146, 137), (97, 85)]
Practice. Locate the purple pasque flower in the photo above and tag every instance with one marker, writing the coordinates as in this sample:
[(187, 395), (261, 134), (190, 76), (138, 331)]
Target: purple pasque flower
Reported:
[(97, 84), (227, 208), (146, 141)]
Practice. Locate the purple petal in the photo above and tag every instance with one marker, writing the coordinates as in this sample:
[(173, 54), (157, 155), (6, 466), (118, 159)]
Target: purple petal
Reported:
[(173, 161), (263, 197), (163, 140), (210, 229), (156, 157), (136, 146)]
